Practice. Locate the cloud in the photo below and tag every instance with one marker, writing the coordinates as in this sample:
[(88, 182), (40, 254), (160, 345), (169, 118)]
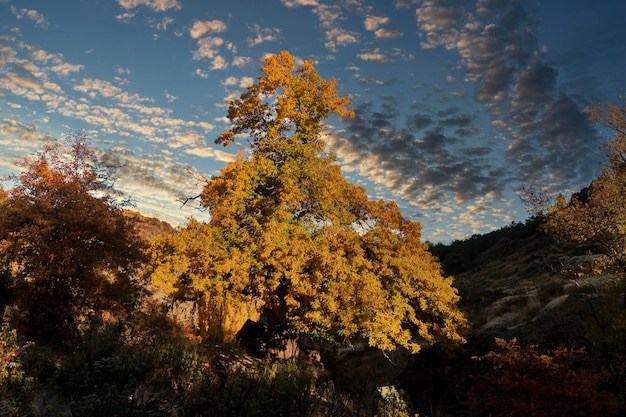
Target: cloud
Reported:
[(94, 87), (550, 139), (241, 61), (167, 180), (218, 63), (201, 28), (164, 23), (208, 48), (187, 138), (384, 33), (201, 73), (328, 15), (246, 82), (439, 15), (243, 82), (125, 17), (230, 81), (262, 35), (43, 56), (377, 56), (297, 3), (169, 97), (123, 71), (340, 37), (422, 161), (405, 4), (155, 5), (66, 69), (22, 85), (17, 131), (105, 106), (374, 22), (30, 14), (206, 152)]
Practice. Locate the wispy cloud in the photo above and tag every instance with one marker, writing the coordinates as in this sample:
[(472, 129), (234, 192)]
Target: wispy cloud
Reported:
[(169, 97), (241, 61), (125, 17), (296, 3), (206, 152), (376, 55), (384, 33), (242, 82), (164, 23), (262, 35), (201, 28), (66, 69), (30, 14), (201, 73), (155, 5), (340, 37), (329, 17), (374, 22)]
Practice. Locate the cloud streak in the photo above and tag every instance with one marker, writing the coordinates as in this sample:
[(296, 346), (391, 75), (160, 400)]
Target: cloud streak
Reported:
[(155, 5)]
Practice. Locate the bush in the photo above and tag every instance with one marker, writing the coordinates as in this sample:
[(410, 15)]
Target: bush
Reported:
[(393, 403), (520, 381), (282, 389), (16, 388)]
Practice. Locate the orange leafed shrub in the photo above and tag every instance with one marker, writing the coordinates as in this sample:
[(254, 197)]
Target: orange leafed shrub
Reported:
[(520, 381)]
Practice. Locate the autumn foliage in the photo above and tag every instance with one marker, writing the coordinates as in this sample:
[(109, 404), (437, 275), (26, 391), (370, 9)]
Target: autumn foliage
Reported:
[(66, 249), (291, 239), (597, 215), (521, 381)]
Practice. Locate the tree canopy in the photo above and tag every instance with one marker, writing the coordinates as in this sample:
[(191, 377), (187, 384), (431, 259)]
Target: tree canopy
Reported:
[(66, 249), (291, 239)]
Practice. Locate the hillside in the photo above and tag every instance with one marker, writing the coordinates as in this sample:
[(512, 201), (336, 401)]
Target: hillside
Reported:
[(537, 289), (519, 284), (148, 227)]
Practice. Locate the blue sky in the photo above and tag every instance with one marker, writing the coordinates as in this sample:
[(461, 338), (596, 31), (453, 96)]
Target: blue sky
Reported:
[(458, 103)]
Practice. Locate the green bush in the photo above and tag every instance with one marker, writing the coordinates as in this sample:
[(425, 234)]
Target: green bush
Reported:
[(281, 389), (16, 388), (393, 403)]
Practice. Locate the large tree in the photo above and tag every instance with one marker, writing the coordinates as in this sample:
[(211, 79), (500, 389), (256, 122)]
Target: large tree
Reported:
[(67, 251), (289, 237)]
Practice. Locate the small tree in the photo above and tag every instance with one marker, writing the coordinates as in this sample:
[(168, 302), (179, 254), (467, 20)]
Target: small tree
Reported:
[(68, 250), (289, 237), (596, 215)]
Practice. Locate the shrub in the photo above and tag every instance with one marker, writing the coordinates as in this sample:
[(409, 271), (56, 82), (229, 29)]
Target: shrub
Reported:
[(16, 388), (393, 403), (282, 389), (520, 381)]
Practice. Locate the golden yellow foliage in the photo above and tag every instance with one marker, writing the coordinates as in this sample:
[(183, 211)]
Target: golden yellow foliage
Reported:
[(598, 214), (290, 236)]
